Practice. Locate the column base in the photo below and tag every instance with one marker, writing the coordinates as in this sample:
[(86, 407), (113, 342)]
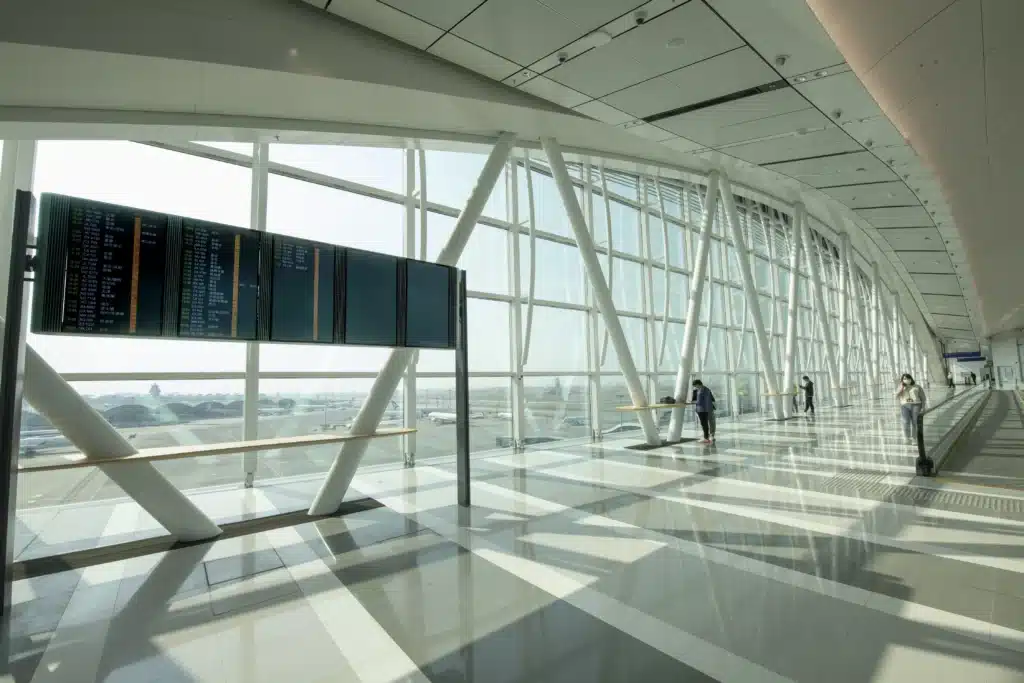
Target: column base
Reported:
[(648, 446)]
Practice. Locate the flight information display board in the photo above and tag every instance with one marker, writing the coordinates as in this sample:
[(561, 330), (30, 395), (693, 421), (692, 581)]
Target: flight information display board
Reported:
[(219, 281), (430, 303), (103, 269), (304, 288), (371, 298), (109, 269)]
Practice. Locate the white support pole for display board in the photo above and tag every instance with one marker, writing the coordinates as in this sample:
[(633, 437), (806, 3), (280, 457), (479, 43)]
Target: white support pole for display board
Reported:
[(818, 292), (793, 306), (409, 251), (16, 170), (91, 434), (697, 276), (764, 350), (332, 492), (251, 402), (602, 295)]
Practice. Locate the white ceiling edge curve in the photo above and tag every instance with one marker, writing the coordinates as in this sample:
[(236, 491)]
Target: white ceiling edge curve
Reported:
[(51, 93)]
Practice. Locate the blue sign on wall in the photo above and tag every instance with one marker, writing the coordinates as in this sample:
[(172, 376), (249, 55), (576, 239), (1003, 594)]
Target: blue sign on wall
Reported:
[(964, 355)]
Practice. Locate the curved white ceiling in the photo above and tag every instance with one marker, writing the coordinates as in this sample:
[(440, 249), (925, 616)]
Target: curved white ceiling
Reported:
[(948, 74)]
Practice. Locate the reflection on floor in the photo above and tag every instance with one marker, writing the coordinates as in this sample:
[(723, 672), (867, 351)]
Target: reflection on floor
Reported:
[(992, 453), (798, 551)]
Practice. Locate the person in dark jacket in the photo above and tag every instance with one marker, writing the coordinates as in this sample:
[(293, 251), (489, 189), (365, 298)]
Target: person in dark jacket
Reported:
[(808, 395), (704, 405)]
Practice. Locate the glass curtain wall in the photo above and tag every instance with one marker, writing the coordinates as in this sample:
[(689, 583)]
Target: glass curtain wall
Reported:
[(542, 368)]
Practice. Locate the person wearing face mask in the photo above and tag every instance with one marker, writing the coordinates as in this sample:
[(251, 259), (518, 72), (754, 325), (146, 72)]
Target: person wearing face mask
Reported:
[(912, 401), (808, 395), (704, 405)]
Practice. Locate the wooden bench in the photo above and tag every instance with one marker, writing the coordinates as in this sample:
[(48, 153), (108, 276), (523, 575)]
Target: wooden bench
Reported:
[(207, 449), (652, 406)]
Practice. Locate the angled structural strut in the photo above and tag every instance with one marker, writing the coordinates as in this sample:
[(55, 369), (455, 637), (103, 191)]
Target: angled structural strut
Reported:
[(339, 477), (602, 295), (793, 307), (818, 292), (697, 277)]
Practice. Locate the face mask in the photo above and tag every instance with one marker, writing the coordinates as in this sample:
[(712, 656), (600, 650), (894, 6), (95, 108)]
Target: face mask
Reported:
[(906, 382)]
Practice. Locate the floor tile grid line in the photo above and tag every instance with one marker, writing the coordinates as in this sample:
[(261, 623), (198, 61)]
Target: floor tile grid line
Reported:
[(66, 643), (974, 628), (835, 530), (369, 649)]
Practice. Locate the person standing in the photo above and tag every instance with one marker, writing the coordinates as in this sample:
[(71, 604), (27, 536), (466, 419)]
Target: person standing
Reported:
[(912, 401), (808, 395), (949, 377), (704, 406), (974, 378)]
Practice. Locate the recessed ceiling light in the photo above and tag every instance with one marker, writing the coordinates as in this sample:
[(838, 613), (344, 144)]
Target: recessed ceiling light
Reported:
[(675, 42), (596, 39), (861, 169), (821, 73), (800, 79)]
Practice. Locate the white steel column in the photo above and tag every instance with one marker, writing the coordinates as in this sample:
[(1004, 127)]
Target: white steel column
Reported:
[(409, 251), (897, 341), (697, 276), (251, 402), (818, 291), (516, 309), (844, 317), (602, 295), (793, 308), (764, 349), (868, 388), (339, 477), (876, 359), (66, 410)]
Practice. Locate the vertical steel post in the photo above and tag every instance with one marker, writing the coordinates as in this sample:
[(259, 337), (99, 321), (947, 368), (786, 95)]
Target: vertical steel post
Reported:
[(409, 251), (518, 406), (462, 393), (897, 341), (844, 317), (697, 276), (764, 350), (792, 306), (251, 402), (602, 294), (339, 477), (876, 360)]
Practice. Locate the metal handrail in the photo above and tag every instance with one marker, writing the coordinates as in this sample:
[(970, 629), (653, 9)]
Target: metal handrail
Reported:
[(926, 465)]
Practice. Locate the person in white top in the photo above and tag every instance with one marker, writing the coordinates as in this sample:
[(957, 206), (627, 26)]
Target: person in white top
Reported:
[(912, 401)]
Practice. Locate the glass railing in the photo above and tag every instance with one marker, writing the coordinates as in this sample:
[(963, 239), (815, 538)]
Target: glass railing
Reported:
[(939, 427)]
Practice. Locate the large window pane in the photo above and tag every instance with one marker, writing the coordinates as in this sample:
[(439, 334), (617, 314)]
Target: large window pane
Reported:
[(556, 408), (559, 275), (635, 330), (489, 341), (451, 177), (551, 347), (490, 409), (485, 258), (380, 167), (625, 228), (679, 293)]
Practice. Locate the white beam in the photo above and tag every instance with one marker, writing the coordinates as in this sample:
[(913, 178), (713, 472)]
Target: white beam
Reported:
[(818, 291), (602, 295), (66, 410), (697, 276), (332, 492), (793, 308), (764, 349)]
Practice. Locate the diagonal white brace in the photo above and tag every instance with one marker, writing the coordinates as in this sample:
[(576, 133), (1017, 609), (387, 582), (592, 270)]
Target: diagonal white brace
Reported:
[(339, 477)]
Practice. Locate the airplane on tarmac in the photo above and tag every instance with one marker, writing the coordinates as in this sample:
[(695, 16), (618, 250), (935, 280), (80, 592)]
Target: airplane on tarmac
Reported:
[(442, 418)]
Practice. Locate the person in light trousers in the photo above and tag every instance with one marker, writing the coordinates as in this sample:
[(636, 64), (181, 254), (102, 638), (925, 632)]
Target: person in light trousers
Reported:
[(912, 402)]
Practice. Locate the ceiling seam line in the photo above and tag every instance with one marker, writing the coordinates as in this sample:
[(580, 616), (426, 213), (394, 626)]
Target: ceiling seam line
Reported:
[(449, 30)]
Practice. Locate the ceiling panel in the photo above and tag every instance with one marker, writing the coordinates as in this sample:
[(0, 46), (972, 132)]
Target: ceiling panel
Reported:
[(876, 194), (520, 30), (554, 92), (704, 125), (791, 122), (389, 21), (829, 141), (877, 131), (952, 322), (914, 239), (443, 13), (603, 112), (643, 52), (854, 177), (843, 92), (937, 284), (957, 334), (723, 74), (896, 216), (777, 27), (926, 262), (945, 304), (843, 169), (588, 15), (471, 56)]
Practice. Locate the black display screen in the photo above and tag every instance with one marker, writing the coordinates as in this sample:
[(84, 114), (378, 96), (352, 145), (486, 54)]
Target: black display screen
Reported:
[(114, 277), (219, 281), (428, 322), (302, 309), (371, 298)]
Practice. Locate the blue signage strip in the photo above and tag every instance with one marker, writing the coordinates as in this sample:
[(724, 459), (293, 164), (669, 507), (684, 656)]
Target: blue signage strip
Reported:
[(964, 355)]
